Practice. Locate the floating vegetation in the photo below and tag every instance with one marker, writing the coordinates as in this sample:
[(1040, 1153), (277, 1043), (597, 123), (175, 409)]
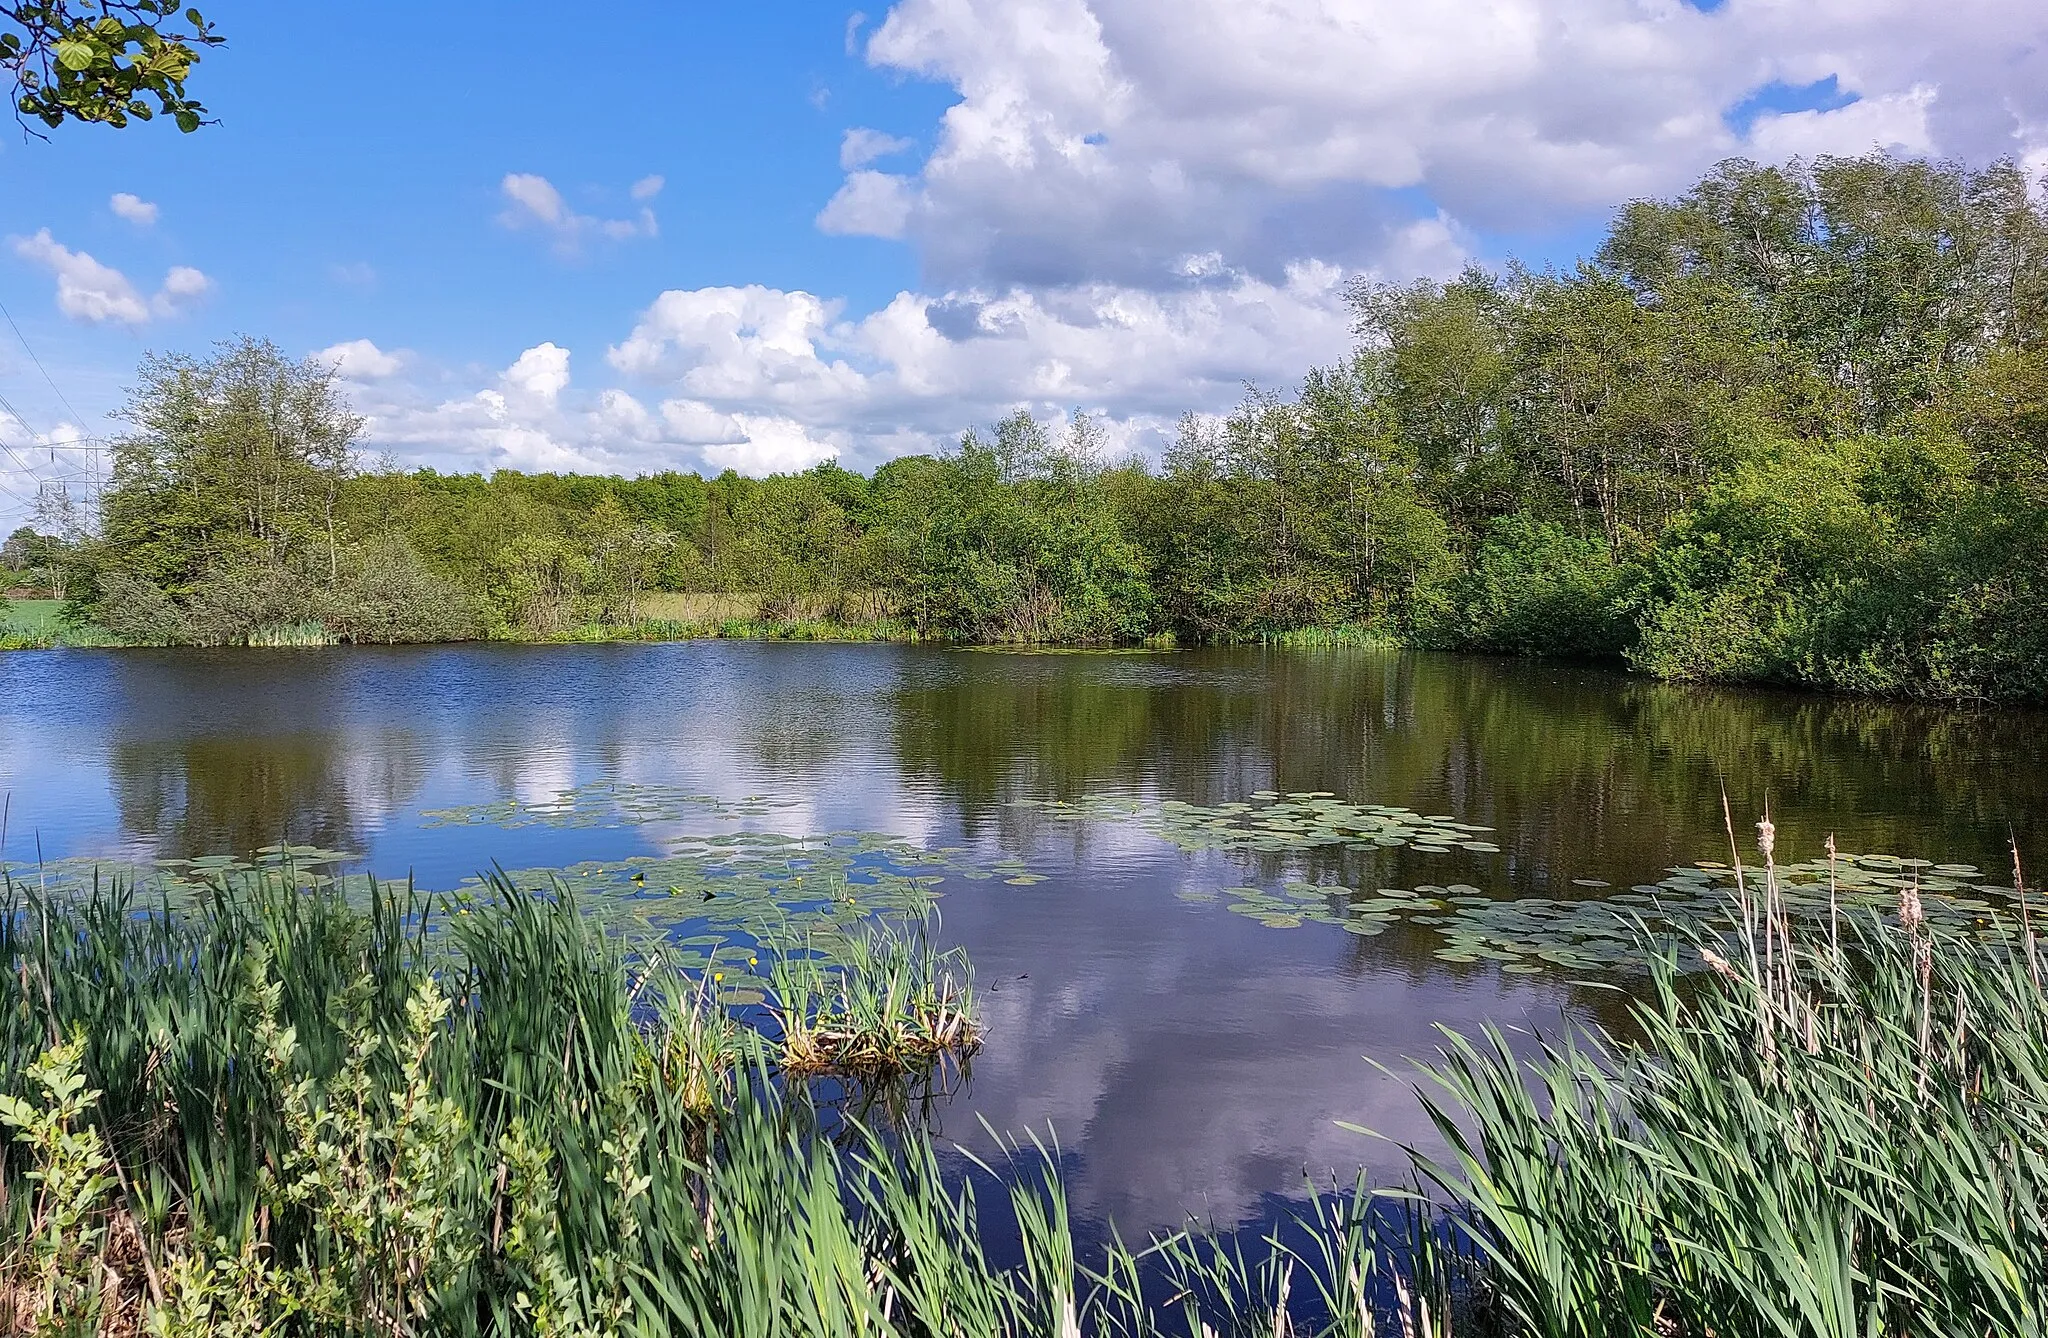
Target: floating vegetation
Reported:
[(179, 881), (1601, 930), (1275, 823), (606, 803), (892, 1004), (723, 897)]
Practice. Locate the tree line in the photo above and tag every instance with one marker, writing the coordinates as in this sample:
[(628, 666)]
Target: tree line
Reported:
[(1790, 426)]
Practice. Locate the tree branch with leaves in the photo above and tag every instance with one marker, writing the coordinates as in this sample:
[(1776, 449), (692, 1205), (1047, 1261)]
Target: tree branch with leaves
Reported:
[(102, 62)]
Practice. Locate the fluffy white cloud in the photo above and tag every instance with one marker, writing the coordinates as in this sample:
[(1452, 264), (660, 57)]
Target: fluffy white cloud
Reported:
[(870, 204), (1105, 139), (861, 146), (941, 363), (183, 286), (360, 360), (86, 289), (528, 417), (532, 201), (761, 379), (754, 345), (90, 291), (136, 210), (1898, 122), (769, 446), (1132, 207), (540, 374)]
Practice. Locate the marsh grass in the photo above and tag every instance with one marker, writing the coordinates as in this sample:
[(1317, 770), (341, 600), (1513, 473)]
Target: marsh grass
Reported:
[(1826, 1135), (38, 624), (1327, 636), (286, 635), (892, 1003)]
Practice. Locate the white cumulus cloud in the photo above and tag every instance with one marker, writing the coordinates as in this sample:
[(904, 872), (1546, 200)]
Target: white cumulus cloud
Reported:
[(870, 204), (360, 360), (90, 291), (540, 374), (1105, 139), (861, 146), (532, 201), (136, 210)]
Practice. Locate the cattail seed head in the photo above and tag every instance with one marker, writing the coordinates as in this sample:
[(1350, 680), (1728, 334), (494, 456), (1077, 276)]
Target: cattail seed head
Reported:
[(1911, 914), (1719, 963), (1766, 837)]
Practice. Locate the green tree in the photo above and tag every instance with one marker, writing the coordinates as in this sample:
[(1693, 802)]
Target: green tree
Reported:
[(224, 496)]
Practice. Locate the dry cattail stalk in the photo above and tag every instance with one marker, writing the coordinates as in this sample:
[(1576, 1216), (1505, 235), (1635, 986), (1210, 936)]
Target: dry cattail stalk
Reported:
[(1834, 919)]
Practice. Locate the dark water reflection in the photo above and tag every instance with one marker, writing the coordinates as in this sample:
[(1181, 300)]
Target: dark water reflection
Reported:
[(1188, 1059)]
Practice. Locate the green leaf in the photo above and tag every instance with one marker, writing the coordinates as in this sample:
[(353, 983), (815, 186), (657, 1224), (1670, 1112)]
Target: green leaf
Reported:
[(75, 56)]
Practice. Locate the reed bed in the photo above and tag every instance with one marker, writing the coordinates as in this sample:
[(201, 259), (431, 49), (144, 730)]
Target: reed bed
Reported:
[(1838, 1129), (894, 1004), (281, 1115)]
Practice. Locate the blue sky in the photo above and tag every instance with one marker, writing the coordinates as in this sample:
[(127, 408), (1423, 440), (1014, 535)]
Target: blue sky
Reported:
[(872, 230), (351, 186)]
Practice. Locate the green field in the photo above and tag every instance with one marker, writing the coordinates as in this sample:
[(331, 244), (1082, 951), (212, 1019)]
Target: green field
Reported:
[(39, 624), (33, 615)]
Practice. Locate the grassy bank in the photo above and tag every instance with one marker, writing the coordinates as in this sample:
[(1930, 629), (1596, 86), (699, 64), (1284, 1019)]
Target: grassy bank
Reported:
[(40, 625), (277, 1114)]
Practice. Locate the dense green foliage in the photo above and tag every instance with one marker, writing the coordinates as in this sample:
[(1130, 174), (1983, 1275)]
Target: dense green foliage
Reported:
[(1792, 427), (102, 61)]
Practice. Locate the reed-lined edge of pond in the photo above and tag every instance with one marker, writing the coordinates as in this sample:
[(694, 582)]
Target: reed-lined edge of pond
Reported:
[(274, 1111)]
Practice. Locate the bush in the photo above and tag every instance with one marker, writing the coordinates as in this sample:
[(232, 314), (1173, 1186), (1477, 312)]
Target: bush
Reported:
[(139, 611), (389, 595), (1535, 588)]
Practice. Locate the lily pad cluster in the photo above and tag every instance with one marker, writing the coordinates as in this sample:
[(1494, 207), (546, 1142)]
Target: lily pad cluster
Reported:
[(1529, 935), (1272, 822), (1601, 930), (177, 881), (727, 901), (606, 803)]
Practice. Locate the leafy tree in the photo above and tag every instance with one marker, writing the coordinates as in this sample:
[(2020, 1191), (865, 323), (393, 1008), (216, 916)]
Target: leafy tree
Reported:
[(224, 496), (102, 61)]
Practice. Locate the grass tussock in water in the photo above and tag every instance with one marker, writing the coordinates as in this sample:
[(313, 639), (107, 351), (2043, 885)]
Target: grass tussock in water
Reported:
[(893, 1004), (279, 1115)]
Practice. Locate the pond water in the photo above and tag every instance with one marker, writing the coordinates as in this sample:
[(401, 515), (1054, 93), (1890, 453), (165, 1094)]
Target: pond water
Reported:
[(1189, 998)]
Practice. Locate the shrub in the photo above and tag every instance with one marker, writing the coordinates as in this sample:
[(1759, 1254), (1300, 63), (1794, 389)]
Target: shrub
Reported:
[(389, 594), (1535, 588)]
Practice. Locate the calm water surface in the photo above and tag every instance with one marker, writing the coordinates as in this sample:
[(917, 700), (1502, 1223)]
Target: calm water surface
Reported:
[(1189, 1059)]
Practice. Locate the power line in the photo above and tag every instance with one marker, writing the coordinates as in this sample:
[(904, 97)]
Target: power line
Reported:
[(76, 416), (89, 445)]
